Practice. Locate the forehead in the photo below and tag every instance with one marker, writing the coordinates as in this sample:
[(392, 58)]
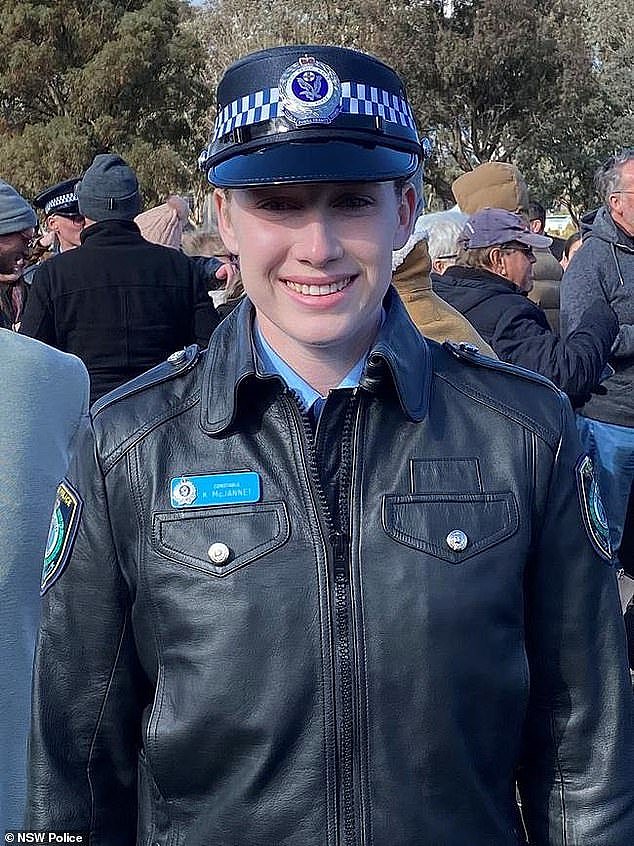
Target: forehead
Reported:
[(627, 171), (316, 192)]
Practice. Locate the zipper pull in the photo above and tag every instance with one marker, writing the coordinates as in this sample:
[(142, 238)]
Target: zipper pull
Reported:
[(339, 543)]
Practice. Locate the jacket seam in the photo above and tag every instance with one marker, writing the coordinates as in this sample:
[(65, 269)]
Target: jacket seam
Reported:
[(133, 466), (93, 740), (111, 458), (547, 435), (560, 777)]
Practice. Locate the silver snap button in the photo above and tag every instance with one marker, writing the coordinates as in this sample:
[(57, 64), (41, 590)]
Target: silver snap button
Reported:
[(177, 357), (218, 553), (457, 540)]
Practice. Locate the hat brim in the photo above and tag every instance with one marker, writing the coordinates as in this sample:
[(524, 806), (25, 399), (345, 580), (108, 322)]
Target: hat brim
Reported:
[(532, 239), (328, 161)]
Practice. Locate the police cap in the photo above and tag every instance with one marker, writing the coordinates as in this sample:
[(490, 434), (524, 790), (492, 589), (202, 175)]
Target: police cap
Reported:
[(309, 113), (58, 199)]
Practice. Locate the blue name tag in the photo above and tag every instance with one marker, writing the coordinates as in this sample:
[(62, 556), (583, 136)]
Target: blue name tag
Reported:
[(215, 489)]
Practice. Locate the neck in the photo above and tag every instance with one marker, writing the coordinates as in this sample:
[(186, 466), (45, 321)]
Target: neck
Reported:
[(322, 366)]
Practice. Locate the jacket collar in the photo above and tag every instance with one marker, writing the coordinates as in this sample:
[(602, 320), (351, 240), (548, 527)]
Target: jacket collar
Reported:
[(111, 230), (400, 356)]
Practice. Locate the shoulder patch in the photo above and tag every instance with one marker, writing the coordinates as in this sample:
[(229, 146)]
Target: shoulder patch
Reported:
[(177, 363), (61, 534), (594, 517)]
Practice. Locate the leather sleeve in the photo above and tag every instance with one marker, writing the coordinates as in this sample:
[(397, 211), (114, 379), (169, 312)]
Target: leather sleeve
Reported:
[(577, 775), (86, 701)]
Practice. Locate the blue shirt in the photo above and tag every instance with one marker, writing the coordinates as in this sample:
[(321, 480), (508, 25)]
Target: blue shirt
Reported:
[(269, 362)]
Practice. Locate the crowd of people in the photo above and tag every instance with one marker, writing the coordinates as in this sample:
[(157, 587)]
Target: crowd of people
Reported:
[(342, 550)]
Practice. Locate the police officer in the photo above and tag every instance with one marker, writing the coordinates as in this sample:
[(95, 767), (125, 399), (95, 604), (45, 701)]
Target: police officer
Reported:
[(328, 583), (61, 214)]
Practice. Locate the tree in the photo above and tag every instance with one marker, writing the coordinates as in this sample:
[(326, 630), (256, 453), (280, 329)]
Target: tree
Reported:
[(81, 78)]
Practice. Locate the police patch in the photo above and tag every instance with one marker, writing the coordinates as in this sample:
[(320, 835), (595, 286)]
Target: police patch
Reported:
[(61, 534), (594, 517)]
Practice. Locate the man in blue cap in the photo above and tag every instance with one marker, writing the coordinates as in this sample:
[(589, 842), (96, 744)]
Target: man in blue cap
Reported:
[(328, 583)]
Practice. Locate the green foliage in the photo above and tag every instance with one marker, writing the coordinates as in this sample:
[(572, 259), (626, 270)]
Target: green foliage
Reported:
[(77, 79)]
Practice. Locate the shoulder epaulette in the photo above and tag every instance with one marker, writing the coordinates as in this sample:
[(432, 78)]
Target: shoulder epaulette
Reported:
[(176, 364), (470, 354)]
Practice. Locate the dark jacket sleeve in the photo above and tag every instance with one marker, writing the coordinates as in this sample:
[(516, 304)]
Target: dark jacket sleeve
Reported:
[(86, 717), (576, 774), (38, 320), (206, 317), (522, 336)]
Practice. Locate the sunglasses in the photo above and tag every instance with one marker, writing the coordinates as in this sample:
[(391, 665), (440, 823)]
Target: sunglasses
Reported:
[(528, 251), (77, 219)]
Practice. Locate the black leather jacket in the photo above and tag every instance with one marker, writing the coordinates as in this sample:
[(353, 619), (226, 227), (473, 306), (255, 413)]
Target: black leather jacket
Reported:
[(345, 677)]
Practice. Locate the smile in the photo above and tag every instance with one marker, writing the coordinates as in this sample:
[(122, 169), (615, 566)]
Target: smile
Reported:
[(319, 290)]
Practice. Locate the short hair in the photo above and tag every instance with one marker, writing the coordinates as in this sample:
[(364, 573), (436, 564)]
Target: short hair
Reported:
[(607, 179), (478, 257), (442, 230), (537, 212)]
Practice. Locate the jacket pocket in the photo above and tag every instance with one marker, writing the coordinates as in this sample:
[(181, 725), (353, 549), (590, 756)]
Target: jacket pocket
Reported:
[(220, 540), (452, 527)]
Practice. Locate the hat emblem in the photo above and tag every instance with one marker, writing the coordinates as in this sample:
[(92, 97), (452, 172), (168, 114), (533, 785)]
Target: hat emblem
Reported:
[(310, 92)]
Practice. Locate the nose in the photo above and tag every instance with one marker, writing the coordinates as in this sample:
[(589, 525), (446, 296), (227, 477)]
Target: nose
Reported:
[(317, 241)]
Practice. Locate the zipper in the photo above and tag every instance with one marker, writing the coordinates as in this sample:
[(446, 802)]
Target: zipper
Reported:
[(340, 546)]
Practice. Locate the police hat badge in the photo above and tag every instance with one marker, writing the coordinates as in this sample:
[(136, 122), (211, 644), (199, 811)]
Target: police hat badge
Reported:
[(310, 92)]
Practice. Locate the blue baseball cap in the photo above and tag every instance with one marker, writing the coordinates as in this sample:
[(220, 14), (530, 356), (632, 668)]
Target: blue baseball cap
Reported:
[(490, 227), (310, 113)]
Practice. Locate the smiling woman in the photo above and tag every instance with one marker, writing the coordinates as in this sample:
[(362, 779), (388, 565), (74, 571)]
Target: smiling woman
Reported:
[(316, 263), (327, 571)]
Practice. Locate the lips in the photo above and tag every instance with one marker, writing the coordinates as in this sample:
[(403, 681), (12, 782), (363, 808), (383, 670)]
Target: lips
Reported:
[(322, 289)]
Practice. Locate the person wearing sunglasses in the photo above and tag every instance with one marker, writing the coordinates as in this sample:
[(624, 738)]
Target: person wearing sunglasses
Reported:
[(489, 285), (62, 217)]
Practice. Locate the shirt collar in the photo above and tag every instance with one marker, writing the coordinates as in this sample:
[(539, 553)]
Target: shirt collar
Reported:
[(269, 362)]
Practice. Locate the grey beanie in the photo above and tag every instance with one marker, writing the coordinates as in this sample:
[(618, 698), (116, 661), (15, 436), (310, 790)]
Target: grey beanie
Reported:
[(16, 214), (109, 190)]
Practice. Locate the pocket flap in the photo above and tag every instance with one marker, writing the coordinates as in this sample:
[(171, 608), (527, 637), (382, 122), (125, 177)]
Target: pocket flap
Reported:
[(452, 527), (219, 540)]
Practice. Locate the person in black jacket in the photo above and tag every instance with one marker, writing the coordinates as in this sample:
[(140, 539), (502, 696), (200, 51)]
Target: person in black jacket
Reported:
[(118, 302), (489, 285)]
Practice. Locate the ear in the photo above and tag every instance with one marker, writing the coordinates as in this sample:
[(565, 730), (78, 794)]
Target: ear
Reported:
[(222, 204), (496, 259), (406, 216)]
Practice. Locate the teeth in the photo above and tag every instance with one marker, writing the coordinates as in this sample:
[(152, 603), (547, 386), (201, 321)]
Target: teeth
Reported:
[(318, 290)]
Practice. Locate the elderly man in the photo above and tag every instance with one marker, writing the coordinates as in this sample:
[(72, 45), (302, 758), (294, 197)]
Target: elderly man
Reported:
[(604, 269), (17, 229)]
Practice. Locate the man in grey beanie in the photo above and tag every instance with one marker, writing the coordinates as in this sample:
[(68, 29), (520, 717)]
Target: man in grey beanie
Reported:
[(118, 302), (17, 228)]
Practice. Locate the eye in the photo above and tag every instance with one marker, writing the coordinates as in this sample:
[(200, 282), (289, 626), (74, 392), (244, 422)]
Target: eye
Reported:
[(276, 204), (353, 201)]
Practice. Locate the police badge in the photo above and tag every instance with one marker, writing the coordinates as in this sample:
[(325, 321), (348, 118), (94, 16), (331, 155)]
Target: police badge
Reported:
[(310, 92), (183, 492), (594, 517)]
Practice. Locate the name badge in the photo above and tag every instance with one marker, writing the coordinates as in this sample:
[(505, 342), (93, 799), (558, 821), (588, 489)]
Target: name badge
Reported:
[(214, 489)]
